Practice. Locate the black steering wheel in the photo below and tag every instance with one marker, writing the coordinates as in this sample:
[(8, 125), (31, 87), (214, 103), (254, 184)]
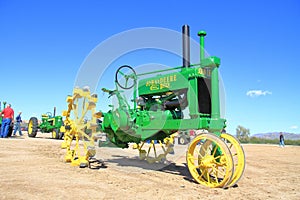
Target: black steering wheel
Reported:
[(49, 114), (127, 75)]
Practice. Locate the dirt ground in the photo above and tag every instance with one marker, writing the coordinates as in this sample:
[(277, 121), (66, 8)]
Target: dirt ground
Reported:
[(33, 168)]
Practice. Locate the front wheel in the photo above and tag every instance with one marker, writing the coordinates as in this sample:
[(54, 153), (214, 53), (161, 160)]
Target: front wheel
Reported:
[(33, 127), (55, 134)]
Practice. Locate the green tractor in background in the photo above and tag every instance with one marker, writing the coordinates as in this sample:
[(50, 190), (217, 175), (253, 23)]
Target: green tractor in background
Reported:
[(49, 124)]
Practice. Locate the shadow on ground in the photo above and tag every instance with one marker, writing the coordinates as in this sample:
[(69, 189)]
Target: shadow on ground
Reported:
[(136, 163)]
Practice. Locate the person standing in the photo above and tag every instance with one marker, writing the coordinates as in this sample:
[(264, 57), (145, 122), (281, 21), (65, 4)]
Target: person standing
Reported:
[(8, 117), (18, 124), (281, 140)]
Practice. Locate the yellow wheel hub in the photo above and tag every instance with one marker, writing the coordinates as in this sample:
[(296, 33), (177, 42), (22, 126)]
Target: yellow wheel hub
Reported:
[(207, 161), (80, 127)]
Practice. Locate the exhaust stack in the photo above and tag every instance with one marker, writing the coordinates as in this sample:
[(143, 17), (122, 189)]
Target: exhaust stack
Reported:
[(54, 111), (186, 46)]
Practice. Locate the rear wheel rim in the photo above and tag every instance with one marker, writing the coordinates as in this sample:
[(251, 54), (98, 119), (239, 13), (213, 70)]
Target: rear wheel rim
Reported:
[(210, 161), (54, 134), (238, 156), (30, 127)]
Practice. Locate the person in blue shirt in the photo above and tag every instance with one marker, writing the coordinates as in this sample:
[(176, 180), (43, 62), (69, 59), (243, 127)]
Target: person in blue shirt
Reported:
[(281, 140), (18, 124)]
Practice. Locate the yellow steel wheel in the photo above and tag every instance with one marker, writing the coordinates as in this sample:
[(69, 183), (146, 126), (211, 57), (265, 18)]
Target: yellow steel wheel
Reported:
[(238, 156), (55, 134), (209, 161), (155, 150), (80, 124)]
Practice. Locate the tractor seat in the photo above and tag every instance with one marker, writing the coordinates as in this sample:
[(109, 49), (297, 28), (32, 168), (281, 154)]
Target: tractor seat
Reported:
[(45, 115)]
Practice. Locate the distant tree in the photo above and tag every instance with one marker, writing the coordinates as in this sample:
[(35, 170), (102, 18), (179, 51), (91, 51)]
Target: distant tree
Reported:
[(243, 134)]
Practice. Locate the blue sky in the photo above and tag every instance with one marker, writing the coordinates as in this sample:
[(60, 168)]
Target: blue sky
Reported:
[(44, 43)]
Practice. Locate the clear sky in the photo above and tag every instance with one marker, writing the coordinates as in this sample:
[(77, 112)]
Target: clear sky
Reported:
[(43, 44)]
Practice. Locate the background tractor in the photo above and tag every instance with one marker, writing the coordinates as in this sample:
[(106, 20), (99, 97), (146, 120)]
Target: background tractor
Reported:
[(178, 99), (49, 124), (184, 136)]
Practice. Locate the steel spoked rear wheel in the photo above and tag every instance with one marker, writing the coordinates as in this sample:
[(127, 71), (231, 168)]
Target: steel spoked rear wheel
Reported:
[(210, 161), (238, 156), (81, 125)]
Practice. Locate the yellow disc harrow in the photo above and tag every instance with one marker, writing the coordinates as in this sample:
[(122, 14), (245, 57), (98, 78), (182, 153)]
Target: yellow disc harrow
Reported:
[(153, 153), (80, 127), (210, 161), (238, 156)]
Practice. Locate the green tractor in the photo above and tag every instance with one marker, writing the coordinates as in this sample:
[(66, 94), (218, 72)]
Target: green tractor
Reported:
[(173, 100), (49, 124), (11, 125)]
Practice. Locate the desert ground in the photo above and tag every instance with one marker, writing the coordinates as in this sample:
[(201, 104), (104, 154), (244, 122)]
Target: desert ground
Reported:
[(33, 168)]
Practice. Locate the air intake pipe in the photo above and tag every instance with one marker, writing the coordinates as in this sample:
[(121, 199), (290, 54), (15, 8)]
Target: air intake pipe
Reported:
[(202, 34)]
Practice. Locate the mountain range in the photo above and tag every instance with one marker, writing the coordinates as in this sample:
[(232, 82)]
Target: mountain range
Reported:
[(275, 135)]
